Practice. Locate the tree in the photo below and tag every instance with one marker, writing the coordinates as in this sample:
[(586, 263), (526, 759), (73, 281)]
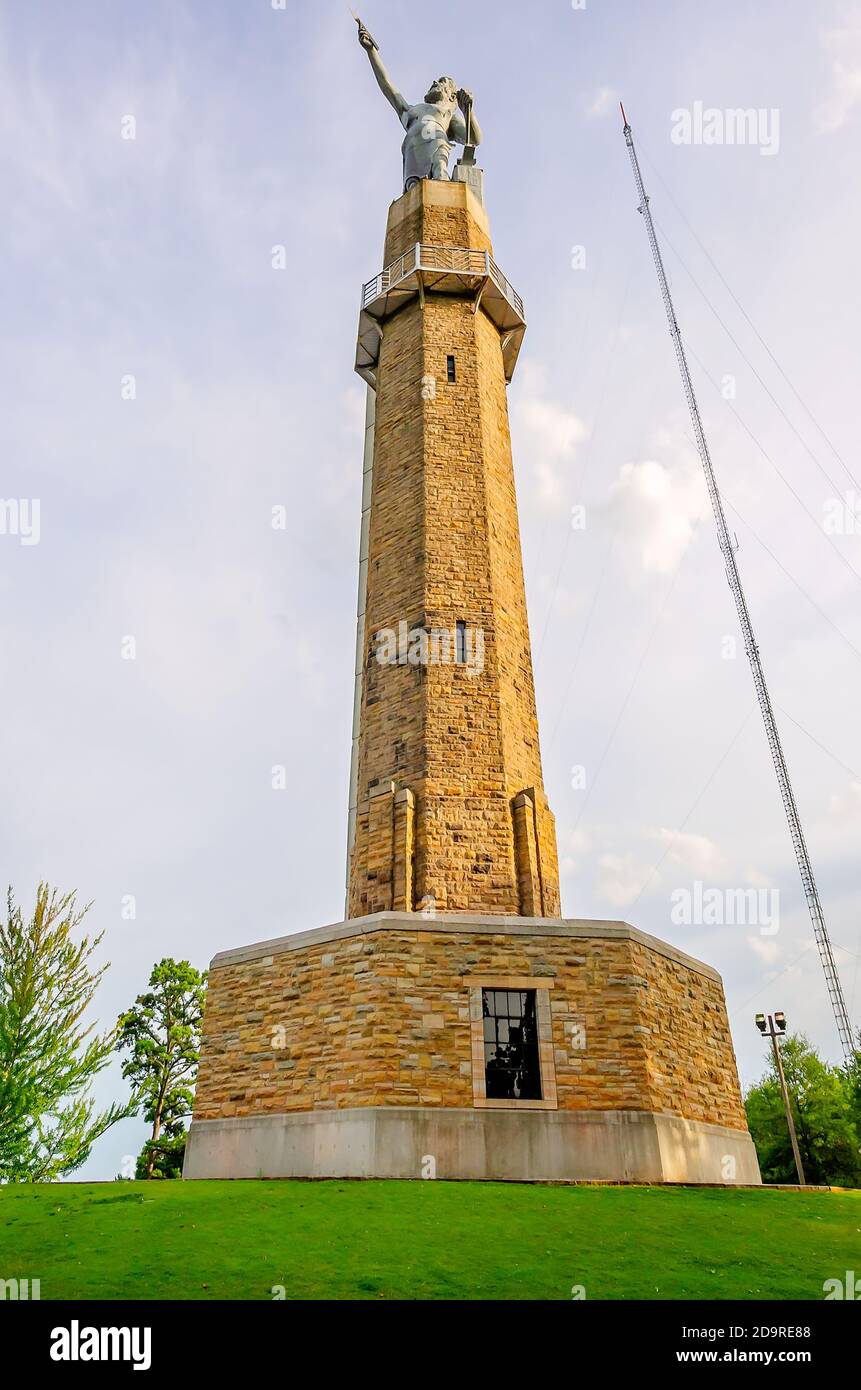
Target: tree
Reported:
[(852, 1074), (48, 1058), (162, 1035), (821, 1099)]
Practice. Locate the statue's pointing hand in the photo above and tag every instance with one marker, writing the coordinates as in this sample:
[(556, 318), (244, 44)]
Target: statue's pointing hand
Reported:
[(364, 37)]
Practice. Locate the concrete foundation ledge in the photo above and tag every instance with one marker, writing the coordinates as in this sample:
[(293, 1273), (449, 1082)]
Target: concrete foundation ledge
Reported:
[(499, 1145)]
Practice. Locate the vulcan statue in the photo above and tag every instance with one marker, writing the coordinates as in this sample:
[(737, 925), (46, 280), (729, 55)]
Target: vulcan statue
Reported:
[(432, 126)]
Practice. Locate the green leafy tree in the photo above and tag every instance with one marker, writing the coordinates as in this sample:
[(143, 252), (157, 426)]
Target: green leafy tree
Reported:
[(821, 1099), (852, 1074), (48, 1056), (161, 1033)]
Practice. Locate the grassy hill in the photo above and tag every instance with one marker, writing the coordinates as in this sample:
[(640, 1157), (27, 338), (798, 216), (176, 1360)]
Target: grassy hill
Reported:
[(423, 1240)]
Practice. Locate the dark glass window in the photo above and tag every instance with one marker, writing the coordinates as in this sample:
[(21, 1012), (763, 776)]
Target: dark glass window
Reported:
[(511, 1070), (449, 362), (460, 644)]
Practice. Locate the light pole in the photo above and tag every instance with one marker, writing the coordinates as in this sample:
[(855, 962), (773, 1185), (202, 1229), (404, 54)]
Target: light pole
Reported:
[(774, 1029)]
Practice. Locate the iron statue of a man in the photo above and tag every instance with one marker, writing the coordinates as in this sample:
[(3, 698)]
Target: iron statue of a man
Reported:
[(432, 126)]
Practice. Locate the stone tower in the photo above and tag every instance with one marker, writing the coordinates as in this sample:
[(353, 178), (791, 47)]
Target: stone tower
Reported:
[(448, 810), (455, 1014)]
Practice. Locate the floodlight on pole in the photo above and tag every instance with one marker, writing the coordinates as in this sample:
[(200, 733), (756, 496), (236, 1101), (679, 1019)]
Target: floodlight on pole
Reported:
[(777, 1029)]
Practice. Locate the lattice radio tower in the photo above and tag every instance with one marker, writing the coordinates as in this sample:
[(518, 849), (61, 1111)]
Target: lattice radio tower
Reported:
[(805, 868)]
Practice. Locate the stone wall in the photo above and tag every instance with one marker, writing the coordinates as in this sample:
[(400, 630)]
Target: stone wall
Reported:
[(444, 547), (377, 1013)]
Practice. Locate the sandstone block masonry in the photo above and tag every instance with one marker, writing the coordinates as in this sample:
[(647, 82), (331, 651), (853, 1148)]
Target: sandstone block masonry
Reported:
[(381, 1011), (450, 803)]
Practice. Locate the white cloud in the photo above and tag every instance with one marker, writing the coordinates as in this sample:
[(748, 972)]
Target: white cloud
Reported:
[(619, 878), (697, 853), (659, 510), (548, 436), (565, 601), (766, 948), (842, 43), (849, 806), (756, 879), (573, 848)]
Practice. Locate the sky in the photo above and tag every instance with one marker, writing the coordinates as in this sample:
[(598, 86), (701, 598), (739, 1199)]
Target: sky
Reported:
[(168, 376)]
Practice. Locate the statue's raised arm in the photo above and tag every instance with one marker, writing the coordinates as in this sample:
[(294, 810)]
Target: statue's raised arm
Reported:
[(384, 82)]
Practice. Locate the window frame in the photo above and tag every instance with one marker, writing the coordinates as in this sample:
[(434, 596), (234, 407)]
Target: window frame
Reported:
[(541, 986), (460, 644)]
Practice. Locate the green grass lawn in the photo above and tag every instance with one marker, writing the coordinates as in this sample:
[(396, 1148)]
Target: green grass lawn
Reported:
[(420, 1240)]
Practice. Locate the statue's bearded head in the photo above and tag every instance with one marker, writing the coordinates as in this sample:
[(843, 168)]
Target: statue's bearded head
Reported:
[(442, 90)]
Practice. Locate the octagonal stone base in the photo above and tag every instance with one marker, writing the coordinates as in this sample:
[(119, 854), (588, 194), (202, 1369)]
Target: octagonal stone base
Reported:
[(357, 1050)]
